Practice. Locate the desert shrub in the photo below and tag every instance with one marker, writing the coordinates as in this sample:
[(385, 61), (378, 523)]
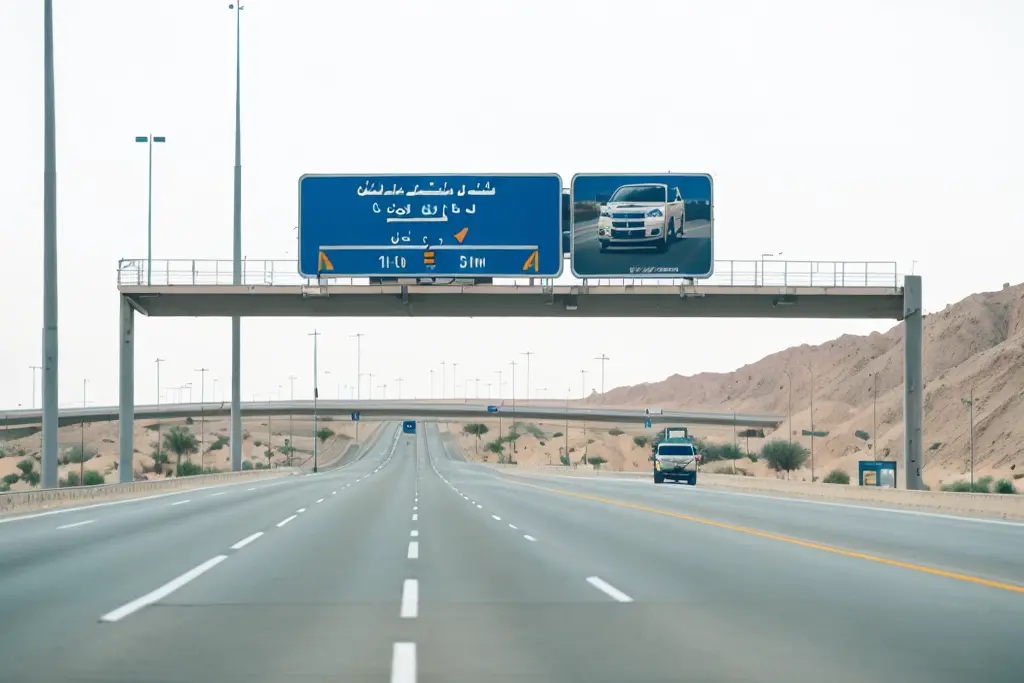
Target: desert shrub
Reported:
[(596, 461), (783, 456), (640, 441), (189, 420), (837, 477), (615, 431), (93, 478), (189, 469), (1004, 486), (76, 454), (556, 435), (246, 465), (323, 434)]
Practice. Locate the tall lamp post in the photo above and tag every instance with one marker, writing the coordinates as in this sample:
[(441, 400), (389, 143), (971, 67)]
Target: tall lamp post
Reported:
[(969, 402), (159, 425), (602, 358), (359, 371), (149, 140), (291, 426), (50, 337), (527, 354), (236, 321), (81, 467), (789, 383), (202, 416), (316, 393)]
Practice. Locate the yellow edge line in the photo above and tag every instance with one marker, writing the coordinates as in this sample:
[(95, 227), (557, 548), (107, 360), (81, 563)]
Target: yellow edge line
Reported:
[(785, 539)]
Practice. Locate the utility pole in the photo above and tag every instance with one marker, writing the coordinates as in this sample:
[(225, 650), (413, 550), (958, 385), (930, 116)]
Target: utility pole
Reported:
[(431, 383), (34, 368), (291, 409), (811, 370), (489, 390), (50, 336), (236, 321), (316, 393), (202, 416), (602, 358), (583, 384), (455, 379), (500, 385), (159, 424), (568, 392), (528, 354), (874, 414), (399, 380), (81, 467), (789, 383), (442, 381), (370, 388), (513, 430), (359, 363), (385, 388), (149, 140), (970, 404)]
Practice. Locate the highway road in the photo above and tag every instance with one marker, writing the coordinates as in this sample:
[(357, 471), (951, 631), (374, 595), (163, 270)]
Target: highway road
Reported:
[(410, 564)]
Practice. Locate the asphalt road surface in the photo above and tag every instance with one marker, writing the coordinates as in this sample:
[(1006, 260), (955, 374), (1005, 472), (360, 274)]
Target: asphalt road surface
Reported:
[(690, 254), (411, 565)]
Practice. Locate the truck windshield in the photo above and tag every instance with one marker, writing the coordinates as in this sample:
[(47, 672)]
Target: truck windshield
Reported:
[(675, 449), (640, 193)]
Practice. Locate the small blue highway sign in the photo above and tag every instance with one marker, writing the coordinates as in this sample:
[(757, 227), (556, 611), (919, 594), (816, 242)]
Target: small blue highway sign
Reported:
[(492, 409), (420, 226), (355, 417)]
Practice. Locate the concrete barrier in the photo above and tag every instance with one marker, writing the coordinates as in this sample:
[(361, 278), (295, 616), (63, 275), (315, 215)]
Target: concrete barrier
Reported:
[(46, 499), (983, 504)]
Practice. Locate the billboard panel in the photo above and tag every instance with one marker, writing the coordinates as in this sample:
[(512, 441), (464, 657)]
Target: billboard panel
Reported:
[(642, 225), (430, 226)]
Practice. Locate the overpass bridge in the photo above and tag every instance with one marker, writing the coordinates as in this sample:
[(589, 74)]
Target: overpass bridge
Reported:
[(396, 409)]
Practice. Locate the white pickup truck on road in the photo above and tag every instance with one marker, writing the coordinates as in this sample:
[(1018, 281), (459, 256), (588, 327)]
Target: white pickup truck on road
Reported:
[(643, 215)]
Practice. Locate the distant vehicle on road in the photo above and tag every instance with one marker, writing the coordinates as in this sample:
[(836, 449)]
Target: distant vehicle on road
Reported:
[(676, 459), (647, 215), (409, 426), (676, 433)]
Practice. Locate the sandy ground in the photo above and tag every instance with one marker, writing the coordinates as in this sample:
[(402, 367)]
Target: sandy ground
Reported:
[(102, 437)]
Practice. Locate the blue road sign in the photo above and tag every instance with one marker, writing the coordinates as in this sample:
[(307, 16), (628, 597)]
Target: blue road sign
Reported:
[(642, 226), (355, 417), (492, 409), (647, 423), (430, 226)]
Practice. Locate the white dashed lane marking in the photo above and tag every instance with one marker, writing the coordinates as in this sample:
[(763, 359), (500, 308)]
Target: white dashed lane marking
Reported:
[(246, 541), (608, 589), (285, 521)]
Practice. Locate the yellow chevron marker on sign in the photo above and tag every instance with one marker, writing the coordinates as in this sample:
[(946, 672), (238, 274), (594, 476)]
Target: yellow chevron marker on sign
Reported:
[(461, 234), (534, 261), (324, 263)]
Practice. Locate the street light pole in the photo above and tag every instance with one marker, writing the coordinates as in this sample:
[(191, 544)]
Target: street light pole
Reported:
[(970, 403), (159, 425), (50, 336), (442, 381), (455, 380), (236, 321), (874, 415), (316, 393), (789, 383), (811, 370), (431, 383), (359, 361), (527, 354), (81, 467), (583, 389), (291, 428), (399, 380), (34, 368), (513, 429), (149, 140), (202, 417), (602, 358)]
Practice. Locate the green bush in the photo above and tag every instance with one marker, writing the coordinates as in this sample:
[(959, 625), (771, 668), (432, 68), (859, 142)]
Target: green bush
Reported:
[(960, 486), (247, 465), (75, 454), (935, 446), (220, 442), (26, 466), (262, 466), (323, 434), (71, 480), (783, 456), (640, 441), (837, 477), (564, 459), (528, 428), (862, 435), (189, 420), (93, 478), (596, 461), (1004, 486), (556, 435), (153, 427), (475, 429), (615, 431), (983, 485), (257, 443), (11, 478), (188, 469)]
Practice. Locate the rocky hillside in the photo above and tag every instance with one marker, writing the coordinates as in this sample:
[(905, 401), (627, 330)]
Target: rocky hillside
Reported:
[(978, 342)]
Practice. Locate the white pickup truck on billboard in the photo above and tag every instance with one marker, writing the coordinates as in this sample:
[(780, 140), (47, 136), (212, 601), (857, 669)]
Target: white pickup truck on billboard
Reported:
[(642, 215)]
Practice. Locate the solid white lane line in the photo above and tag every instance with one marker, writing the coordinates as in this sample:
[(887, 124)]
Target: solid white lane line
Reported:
[(496, 517), (163, 591), (285, 521), (72, 526), (321, 500), (414, 550), (246, 541), (528, 537), (182, 502), (415, 517), (403, 663), (410, 599), (219, 493), (512, 526), (414, 533), (608, 589)]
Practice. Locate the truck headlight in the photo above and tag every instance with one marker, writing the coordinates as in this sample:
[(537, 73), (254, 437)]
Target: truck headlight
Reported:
[(654, 213), (605, 213)]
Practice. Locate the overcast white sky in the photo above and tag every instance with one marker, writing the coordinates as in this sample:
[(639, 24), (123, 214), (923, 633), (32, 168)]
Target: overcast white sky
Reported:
[(862, 130)]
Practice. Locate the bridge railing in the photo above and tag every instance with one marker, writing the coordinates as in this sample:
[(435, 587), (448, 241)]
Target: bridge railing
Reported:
[(749, 273)]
